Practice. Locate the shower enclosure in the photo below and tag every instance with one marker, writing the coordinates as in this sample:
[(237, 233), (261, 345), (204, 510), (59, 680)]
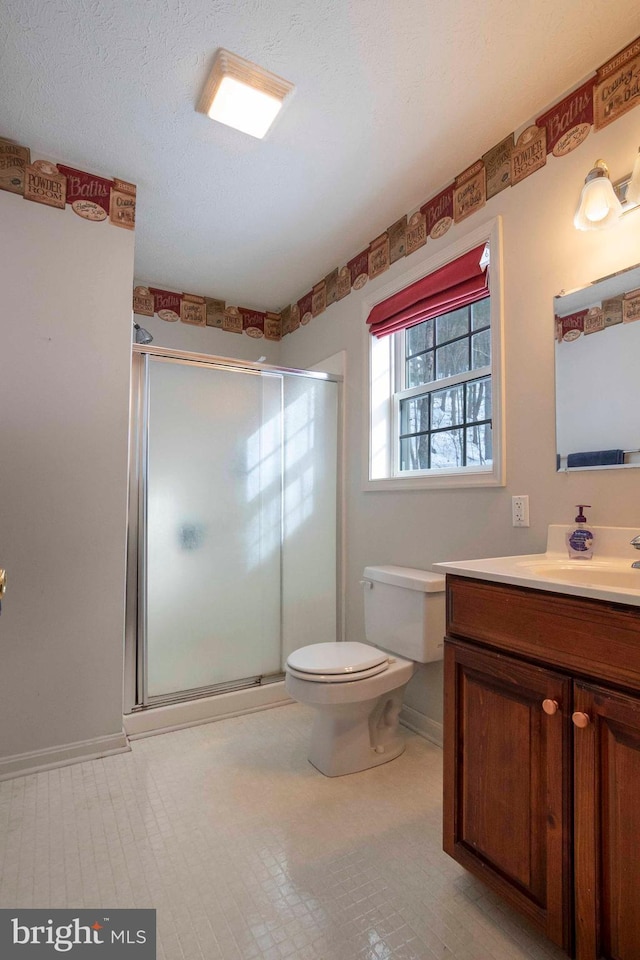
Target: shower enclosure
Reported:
[(233, 534)]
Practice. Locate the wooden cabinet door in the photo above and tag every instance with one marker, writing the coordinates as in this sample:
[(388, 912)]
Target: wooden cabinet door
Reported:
[(507, 781), (607, 823)]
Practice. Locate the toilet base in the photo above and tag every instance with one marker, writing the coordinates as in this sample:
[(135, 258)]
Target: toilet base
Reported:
[(352, 737), (336, 769)]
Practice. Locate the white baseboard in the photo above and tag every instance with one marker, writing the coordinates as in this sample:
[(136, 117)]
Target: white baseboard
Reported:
[(422, 725), (154, 720), (148, 723), (21, 764)]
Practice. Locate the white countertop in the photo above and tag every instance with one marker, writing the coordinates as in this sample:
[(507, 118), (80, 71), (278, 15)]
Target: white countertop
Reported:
[(608, 576)]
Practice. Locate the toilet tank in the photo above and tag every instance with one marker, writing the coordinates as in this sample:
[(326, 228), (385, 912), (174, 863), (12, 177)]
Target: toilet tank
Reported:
[(404, 611)]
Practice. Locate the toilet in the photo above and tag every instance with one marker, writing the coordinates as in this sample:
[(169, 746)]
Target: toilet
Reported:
[(356, 689)]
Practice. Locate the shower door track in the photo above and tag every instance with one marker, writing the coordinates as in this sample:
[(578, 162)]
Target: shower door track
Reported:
[(198, 693), (135, 697)]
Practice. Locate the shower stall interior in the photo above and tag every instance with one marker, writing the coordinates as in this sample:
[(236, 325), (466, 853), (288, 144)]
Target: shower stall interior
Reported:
[(233, 523)]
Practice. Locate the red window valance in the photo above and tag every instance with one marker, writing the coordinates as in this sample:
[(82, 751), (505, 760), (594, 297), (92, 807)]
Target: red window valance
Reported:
[(457, 284)]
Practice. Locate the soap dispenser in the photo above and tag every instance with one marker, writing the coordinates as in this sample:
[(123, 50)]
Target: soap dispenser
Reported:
[(580, 540)]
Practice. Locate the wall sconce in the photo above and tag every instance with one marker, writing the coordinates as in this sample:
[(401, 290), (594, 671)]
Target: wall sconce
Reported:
[(633, 189), (242, 95), (602, 202), (599, 206)]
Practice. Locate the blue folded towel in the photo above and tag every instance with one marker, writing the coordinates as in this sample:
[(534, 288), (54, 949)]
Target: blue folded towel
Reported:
[(595, 458)]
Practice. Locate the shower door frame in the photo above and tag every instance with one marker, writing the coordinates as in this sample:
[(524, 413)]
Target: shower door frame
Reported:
[(136, 697)]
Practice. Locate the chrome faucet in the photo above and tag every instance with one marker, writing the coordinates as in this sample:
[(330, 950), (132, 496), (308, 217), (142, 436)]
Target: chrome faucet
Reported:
[(636, 543)]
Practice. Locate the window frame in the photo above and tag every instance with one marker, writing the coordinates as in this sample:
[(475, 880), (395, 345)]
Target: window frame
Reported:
[(381, 446)]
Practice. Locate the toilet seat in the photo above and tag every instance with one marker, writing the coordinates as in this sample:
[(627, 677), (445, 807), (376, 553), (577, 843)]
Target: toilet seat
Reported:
[(337, 662)]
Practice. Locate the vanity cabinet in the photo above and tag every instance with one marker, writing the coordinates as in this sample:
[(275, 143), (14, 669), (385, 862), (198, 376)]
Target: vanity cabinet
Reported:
[(542, 759)]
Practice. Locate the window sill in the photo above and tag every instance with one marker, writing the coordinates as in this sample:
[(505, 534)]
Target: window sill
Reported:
[(441, 480)]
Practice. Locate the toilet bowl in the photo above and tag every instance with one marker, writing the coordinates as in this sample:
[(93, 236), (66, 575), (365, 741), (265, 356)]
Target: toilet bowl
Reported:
[(356, 689)]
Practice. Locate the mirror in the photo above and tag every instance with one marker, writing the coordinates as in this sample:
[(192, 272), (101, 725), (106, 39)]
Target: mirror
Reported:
[(598, 374)]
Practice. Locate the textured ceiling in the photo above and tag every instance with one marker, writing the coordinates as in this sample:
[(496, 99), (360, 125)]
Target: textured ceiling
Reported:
[(393, 98)]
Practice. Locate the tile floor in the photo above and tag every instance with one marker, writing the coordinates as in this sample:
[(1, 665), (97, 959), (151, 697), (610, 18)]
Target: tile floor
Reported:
[(248, 853)]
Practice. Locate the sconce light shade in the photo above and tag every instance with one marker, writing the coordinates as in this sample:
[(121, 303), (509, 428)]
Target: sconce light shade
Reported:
[(242, 95), (599, 206), (633, 189)]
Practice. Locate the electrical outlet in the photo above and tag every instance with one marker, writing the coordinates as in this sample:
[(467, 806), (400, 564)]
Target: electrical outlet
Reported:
[(520, 510)]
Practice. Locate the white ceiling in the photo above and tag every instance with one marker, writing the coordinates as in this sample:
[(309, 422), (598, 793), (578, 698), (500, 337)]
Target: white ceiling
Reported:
[(393, 99)]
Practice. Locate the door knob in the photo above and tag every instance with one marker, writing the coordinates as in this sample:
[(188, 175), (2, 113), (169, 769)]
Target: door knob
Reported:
[(3, 583), (550, 707), (581, 719)]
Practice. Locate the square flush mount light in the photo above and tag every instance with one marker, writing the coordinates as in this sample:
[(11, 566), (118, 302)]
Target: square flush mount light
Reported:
[(242, 95)]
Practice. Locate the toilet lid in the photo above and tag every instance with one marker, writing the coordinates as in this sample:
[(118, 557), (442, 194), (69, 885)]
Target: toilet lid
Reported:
[(335, 662)]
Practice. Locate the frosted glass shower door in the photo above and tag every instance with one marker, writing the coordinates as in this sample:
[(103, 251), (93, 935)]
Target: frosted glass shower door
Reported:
[(310, 608), (213, 527)]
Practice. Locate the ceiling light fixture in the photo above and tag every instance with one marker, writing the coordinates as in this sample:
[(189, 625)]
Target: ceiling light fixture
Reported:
[(599, 206), (242, 95)]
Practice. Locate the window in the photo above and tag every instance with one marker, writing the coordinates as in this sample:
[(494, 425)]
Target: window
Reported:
[(444, 401), (434, 384)]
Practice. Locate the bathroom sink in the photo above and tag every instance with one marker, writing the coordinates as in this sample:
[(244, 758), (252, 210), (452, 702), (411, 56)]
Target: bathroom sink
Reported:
[(588, 573)]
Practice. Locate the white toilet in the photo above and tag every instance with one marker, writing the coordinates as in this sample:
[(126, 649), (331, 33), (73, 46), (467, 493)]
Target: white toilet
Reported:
[(356, 689)]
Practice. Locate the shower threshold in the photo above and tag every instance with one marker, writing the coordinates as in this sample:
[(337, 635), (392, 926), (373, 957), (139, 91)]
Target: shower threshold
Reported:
[(228, 700)]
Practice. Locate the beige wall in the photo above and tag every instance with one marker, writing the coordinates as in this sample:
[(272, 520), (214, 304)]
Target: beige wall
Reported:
[(542, 254), (64, 379)]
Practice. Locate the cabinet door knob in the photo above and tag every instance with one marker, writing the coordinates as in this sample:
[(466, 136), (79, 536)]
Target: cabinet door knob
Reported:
[(581, 719), (550, 707)]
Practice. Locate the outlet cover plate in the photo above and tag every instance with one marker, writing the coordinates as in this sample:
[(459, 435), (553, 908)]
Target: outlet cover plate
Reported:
[(520, 510)]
